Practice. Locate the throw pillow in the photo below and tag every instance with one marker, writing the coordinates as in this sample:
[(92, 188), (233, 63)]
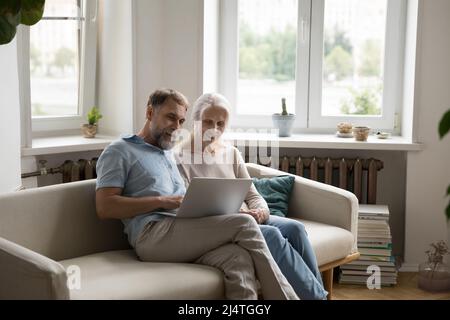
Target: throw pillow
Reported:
[(276, 191)]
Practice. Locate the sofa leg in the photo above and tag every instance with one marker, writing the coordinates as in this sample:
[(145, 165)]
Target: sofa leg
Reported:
[(327, 278)]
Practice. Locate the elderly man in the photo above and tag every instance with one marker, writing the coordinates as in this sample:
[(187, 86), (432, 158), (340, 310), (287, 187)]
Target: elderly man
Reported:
[(139, 183)]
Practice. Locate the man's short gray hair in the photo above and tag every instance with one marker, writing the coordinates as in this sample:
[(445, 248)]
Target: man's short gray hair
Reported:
[(159, 97), (208, 100)]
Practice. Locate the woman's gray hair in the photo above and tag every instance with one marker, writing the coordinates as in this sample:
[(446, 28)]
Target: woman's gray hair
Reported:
[(208, 100)]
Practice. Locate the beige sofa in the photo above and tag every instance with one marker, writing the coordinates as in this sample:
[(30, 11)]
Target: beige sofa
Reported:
[(45, 232)]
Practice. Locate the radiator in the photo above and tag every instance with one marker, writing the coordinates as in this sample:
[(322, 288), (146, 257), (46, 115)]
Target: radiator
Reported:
[(71, 171), (78, 170), (356, 175)]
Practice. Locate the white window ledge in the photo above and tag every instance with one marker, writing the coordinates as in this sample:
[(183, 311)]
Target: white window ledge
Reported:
[(324, 141), (65, 144), (76, 143)]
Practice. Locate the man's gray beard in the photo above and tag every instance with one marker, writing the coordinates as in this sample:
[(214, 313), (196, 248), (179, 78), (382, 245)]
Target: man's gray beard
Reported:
[(162, 142), (165, 144)]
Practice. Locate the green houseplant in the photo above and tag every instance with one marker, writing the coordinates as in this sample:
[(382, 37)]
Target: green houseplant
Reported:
[(283, 121), (89, 129), (15, 12), (444, 128)]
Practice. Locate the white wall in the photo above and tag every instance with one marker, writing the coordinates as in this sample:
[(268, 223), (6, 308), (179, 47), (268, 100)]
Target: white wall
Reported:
[(211, 46), (149, 42), (115, 78), (428, 172), (9, 119), (169, 49), (183, 30)]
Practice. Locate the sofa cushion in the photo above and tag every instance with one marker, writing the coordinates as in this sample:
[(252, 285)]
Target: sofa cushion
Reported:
[(276, 191), (120, 275), (329, 243)]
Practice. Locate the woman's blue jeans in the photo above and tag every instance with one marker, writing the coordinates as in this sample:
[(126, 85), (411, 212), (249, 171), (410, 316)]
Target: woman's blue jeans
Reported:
[(290, 247)]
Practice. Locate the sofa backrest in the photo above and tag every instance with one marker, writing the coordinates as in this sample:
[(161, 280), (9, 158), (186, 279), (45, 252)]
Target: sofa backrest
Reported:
[(59, 221)]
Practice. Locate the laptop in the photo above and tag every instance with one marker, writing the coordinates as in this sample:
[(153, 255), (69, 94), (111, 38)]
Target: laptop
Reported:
[(213, 196)]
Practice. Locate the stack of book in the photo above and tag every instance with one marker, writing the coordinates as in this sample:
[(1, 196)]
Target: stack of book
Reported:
[(375, 247)]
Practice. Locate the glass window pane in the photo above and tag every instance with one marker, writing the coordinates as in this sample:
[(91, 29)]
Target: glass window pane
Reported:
[(267, 55), (54, 67), (353, 59), (62, 8)]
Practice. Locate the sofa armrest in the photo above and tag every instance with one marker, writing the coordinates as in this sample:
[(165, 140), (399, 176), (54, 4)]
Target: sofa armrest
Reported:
[(25, 274), (316, 201)]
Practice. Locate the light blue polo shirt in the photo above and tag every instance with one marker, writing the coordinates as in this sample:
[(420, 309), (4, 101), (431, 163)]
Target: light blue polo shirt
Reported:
[(141, 170)]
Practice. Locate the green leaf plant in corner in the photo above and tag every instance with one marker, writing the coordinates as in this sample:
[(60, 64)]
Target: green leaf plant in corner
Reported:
[(15, 12), (444, 128)]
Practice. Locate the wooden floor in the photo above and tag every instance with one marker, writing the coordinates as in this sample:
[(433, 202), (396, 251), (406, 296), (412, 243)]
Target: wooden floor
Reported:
[(406, 289)]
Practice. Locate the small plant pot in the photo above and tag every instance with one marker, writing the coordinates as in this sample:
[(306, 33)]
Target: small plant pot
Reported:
[(361, 133), (284, 124), (89, 130)]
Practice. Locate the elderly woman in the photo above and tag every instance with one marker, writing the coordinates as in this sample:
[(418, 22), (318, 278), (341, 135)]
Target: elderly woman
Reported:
[(206, 155)]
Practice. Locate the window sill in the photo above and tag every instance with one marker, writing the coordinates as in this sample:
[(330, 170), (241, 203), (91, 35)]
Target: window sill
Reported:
[(76, 143), (325, 141), (65, 144)]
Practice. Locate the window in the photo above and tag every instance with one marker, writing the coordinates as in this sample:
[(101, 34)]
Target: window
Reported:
[(334, 60), (267, 54), (59, 54)]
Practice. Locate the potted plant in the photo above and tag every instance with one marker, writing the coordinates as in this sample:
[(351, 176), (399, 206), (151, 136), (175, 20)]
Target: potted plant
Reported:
[(89, 129), (283, 121), (434, 275), (15, 12)]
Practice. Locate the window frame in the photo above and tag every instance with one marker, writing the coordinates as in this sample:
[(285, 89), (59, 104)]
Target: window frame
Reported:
[(38, 126), (393, 70), (229, 65), (309, 69)]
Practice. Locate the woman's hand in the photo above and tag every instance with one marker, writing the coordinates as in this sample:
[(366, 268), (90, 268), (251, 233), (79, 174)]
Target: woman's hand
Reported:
[(171, 202), (259, 214)]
